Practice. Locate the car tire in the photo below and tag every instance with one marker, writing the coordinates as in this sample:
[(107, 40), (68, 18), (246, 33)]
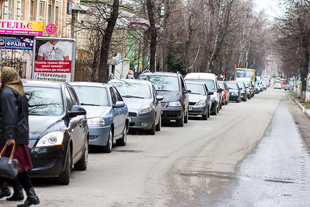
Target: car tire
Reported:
[(82, 163), (158, 126), (180, 122), (153, 129), (108, 147), (64, 177), (215, 111), (122, 141), (186, 117), (205, 116)]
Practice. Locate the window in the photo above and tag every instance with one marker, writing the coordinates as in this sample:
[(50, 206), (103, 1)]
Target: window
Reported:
[(49, 18), (113, 96), (32, 10), (22, 9), (119, 97), (42, 10), (56, 16), (10, 10)]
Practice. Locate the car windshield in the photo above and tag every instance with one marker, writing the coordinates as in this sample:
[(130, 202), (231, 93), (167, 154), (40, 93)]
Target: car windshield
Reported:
[(92, 96), (232, 86), (195, 88), (209, 83), (241, 85), (44, 101), (163, 83), (133, 90)]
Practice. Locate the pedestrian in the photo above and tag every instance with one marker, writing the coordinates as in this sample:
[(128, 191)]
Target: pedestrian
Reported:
[(14, 129), (130, 75)]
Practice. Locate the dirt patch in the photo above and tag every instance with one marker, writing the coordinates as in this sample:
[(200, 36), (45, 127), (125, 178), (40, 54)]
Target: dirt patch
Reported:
[(301, 120)]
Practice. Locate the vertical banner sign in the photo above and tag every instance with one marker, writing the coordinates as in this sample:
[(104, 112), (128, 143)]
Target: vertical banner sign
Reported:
[(53, 60)]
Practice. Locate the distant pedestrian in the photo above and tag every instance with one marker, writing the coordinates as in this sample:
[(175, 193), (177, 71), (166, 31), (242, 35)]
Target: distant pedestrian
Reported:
[(130, 75), (14, 130)]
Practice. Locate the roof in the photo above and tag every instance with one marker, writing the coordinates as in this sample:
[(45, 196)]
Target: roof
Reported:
[(160, 73), (93, 84), (42, 83), (139, 20), (201, 75)]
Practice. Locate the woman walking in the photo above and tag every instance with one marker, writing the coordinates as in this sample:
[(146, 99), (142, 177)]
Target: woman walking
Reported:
[(14, 129)]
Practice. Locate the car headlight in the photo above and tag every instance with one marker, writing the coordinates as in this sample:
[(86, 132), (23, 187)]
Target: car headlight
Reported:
[(234, 94), (96, 121), (171, 104), (145, 109), (201, 103), (51, 139)]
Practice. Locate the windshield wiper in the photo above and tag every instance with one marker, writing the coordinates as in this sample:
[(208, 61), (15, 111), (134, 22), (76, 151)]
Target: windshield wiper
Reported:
[(86, 104), (195, 93), (129, 96)]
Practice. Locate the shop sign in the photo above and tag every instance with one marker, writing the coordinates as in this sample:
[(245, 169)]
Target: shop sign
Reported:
[(16, 42), (21, 27), (51, 29)]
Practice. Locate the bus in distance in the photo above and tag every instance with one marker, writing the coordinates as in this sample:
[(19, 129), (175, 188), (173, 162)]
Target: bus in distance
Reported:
[(245, 73)]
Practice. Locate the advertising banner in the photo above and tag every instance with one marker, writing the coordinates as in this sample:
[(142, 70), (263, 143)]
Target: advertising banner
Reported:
[(16, 42), (13, 27), (53, 59)]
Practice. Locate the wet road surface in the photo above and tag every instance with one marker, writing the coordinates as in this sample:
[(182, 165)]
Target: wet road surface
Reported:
[(276, 173)]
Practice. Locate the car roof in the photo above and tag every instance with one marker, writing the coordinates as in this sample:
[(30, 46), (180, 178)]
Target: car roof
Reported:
[(160, 73), (94, 84), (197, 83), (131, 81), (42, 83), (200, 75)]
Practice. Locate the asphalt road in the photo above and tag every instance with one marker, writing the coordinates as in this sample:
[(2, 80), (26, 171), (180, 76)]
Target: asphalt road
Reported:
[(219, 162)]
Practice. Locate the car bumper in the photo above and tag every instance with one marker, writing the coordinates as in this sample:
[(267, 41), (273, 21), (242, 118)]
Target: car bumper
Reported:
[(234, 98), (98, 135), (142, 121), (171, 113), (197, 110), (47, 161)]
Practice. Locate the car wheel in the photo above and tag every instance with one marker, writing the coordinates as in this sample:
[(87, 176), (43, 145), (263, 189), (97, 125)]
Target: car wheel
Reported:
[(205, 116), (122, 141), (64, 178), (215, 111), (180, 122), (153, 129), (158, 126), (108, 147), (186, 117), (82, 163)]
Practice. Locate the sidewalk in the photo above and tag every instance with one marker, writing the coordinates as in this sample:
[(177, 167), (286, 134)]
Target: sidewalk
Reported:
[(303, 109)]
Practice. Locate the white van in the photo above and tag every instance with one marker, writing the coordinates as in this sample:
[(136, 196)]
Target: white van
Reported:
[(210, 80)]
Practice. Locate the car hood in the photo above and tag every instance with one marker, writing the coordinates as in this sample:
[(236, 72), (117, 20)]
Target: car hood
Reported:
[(136, 103), (39, 125), (233, 91), (170, 95), (195, 97), (95, 111)]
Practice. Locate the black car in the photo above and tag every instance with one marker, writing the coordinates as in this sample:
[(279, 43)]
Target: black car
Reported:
[(58, 138), (244, 92), (172, 87), (234, 91)]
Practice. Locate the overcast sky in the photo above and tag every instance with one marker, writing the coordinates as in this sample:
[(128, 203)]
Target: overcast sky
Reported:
[(270, 7)]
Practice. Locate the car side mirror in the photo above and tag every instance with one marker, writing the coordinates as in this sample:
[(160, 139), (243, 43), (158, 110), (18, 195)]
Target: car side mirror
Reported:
[(187, 91), (210, 93), (219, 90), (119, 104), (159, 98), (76, 111)]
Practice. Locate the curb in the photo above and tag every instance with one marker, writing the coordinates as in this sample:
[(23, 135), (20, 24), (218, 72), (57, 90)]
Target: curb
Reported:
[(300, 106)]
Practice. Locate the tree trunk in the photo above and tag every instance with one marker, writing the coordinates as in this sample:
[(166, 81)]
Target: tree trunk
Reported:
[(304, 69), (153, 32), (105, 45)]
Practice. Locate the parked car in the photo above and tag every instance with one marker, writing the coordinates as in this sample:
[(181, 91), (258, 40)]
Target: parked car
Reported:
[(226, 94), (287, 87), (210, 80), (58, 131), (234, 90), (249, 89), (277, 85), (244, 93), (257, 88), (143, 103), (199, 99), (172, 87), (107, 114)]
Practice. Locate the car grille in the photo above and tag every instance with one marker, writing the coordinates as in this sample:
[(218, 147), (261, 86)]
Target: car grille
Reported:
[(132, 114), (164, 104), (192, 103)]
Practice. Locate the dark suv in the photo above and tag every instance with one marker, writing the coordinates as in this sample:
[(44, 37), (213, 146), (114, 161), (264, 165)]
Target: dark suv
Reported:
[(172, 87)]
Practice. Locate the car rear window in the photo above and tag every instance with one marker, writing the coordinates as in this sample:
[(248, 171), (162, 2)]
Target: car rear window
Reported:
[(209, 83), (44, 101)]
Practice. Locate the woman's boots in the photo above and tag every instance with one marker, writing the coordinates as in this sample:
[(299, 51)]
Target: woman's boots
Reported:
[(18, 192), (5, 192), (32, 199)]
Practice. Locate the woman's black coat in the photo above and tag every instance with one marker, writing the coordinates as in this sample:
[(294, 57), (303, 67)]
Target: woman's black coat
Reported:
[(13, 117)]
